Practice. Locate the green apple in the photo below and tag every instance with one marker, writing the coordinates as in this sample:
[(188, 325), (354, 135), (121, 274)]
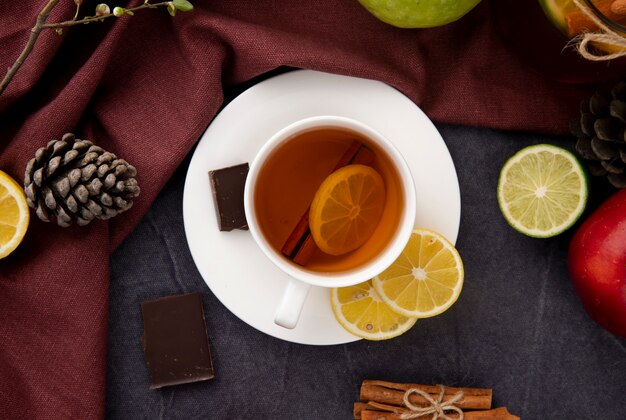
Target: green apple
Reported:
[(418, 13)]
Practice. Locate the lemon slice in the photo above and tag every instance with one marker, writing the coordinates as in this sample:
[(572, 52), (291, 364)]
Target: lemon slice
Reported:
[(346, 209), (425, 280), (542, 190), (14, 215), (360, 310)]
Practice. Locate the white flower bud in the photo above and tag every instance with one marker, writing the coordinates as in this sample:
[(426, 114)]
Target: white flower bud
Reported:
[(102, 9), (119, 11)]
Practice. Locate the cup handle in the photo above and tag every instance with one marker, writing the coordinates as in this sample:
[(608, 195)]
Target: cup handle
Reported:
[(291, 304)]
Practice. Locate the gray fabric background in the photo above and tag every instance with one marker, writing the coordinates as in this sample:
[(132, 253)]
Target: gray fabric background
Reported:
[(517, 327)]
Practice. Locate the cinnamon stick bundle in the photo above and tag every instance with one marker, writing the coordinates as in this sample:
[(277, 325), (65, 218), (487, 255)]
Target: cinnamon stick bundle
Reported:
[(501, 413), (381, 400), (393, 393)]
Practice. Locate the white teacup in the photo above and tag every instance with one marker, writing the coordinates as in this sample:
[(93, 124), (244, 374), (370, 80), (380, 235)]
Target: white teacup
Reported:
[(302, 279)]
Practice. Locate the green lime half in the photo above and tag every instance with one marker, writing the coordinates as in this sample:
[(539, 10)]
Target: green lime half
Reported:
[(542, 190)]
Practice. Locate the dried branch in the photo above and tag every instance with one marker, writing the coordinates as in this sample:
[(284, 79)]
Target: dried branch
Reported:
[(102, 12)]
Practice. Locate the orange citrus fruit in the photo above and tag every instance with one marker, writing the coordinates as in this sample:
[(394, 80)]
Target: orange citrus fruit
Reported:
[(346, 209), (14, 214)]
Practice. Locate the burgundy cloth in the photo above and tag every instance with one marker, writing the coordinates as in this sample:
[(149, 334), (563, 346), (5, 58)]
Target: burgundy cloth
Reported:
[(145, 88)]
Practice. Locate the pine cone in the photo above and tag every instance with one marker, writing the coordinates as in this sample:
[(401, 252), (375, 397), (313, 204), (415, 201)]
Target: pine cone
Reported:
[(73, 179), (601, 134)]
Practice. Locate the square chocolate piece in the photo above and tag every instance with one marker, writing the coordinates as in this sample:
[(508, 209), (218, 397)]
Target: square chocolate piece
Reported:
[(228, 185), (175, 343)]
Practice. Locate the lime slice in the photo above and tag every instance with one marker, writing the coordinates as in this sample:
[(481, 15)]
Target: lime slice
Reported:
[(425, 280), (361, 311), (542, 190)]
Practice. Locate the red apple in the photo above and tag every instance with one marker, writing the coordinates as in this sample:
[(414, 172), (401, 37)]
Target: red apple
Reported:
[(597, 264)]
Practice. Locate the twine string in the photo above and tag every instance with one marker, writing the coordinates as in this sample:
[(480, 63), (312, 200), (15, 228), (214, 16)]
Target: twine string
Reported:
[(437, 407), (606, 36)]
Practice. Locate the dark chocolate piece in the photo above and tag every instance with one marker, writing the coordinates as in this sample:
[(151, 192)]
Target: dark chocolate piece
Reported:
[(228, 185), (175, 343)]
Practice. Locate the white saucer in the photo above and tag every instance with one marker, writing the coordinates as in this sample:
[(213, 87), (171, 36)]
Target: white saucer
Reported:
[(235, 270)]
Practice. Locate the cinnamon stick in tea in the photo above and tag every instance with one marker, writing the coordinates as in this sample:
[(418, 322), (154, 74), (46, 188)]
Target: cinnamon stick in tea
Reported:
[(300, 246), (393, 393)]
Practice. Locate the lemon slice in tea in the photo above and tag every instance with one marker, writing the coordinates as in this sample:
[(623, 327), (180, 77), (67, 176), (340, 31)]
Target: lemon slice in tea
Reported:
[(425, 280), (361, 311), (542, 190), (346, 209)]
